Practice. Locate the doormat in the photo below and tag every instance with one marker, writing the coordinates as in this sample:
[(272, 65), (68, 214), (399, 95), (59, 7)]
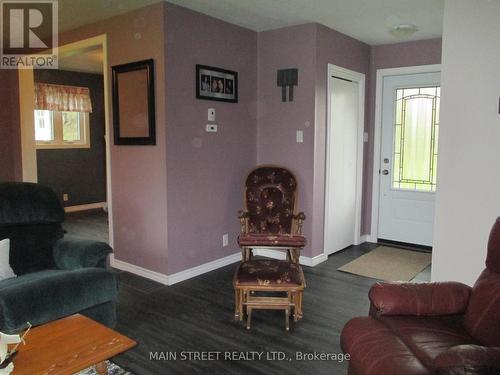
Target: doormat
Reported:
[(389, 264)]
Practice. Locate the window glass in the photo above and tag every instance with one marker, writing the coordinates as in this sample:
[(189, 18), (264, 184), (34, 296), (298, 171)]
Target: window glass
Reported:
[(415, 138), (44, 130), (71, 126)]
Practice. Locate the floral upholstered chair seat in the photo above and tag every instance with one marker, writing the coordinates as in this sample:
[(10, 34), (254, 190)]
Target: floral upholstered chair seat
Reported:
[(269, 273)]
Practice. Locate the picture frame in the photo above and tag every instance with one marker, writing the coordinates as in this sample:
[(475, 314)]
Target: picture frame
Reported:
[(134, 103), (216, 84)]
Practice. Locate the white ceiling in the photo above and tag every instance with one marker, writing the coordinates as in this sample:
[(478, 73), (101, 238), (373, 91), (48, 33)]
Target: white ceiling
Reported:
[(366, 20)]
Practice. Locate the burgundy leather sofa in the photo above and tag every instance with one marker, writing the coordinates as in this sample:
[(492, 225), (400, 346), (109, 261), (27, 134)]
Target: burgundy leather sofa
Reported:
[(430, 328)]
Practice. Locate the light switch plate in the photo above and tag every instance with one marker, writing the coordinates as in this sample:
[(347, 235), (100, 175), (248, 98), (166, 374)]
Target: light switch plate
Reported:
[(211, 114), (365, 137), (300, 136), (211, 128), (225, 240)]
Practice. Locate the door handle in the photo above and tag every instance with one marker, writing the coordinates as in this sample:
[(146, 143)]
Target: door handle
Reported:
[(385, 172)]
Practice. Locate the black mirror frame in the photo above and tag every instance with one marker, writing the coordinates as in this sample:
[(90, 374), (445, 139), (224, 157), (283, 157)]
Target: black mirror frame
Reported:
[(124, 68)]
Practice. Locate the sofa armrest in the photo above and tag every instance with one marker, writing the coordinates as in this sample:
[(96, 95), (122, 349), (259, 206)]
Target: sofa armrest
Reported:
[(70, 254), (468, 359), (41, 297), (419, 299)]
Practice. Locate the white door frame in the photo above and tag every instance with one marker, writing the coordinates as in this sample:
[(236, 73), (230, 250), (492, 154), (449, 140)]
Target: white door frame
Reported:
[(27, 85), (377, 137), (334, 70)]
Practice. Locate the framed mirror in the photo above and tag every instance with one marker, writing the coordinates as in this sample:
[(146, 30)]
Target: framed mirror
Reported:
[(134, 103)]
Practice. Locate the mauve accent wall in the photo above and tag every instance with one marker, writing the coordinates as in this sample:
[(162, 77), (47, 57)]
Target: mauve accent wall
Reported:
[(138, 173), (79, 172), (10, 130), (206, 171), (309, 48), (291, 47), (422, 52)]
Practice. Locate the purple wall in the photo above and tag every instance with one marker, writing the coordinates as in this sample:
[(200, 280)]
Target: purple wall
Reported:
[(291, 47), (423, 52), (309, 48), (205, 171), (138, 172), (10, 133)]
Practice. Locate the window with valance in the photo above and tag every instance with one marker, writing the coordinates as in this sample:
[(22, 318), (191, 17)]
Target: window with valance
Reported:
[(62, 116)]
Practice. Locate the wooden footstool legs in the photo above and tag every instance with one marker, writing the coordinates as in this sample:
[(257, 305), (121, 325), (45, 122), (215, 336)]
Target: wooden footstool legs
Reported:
[(255, 279), (245, 303)]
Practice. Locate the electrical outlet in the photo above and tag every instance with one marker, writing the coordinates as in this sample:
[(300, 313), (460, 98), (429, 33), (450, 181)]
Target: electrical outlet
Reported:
[(211, 128), (225, 240), (65, 197)]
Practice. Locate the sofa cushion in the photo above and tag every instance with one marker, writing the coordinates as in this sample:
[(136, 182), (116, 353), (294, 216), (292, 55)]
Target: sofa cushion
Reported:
[(31, 246), (468, 359), (428, 337), (44, 296), (265, 272), (482, 318), (375, 349), (272, 240)]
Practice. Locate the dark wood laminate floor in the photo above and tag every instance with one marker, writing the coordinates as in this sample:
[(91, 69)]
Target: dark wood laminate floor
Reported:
[(89, 225), (197, 315)]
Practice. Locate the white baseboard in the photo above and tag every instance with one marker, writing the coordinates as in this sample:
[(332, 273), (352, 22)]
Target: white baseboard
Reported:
[(175, 277), (277, 254), (203, 268), (85, 207), (206, 267), (137, 270)]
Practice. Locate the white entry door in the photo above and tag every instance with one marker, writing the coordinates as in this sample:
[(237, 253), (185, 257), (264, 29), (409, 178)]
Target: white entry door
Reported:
[(342, 158), (409, 152)]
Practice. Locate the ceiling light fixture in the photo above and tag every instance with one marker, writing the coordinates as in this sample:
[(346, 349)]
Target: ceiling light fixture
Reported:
[(403, 31)]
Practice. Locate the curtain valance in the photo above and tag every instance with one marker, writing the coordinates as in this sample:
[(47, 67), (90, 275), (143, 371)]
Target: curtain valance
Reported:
[(62, 98)]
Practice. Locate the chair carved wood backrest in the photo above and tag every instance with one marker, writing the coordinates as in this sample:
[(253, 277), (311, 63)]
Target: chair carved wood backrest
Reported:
[(271, 202)]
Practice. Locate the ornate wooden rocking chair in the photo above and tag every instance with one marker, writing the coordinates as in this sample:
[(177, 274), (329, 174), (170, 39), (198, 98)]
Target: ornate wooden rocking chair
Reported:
[(270, 220)]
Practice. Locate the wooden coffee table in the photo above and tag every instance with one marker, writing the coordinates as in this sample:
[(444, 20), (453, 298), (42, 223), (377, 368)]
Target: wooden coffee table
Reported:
[(67, 346)]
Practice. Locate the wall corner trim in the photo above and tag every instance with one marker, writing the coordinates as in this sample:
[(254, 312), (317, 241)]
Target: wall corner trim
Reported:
[(178, 276)]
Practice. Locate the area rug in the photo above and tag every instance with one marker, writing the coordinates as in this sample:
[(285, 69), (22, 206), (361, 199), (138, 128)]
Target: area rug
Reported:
[(112, 370), (389, 264)]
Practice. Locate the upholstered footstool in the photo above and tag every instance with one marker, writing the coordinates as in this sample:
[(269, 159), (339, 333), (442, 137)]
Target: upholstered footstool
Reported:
[(262, 275)]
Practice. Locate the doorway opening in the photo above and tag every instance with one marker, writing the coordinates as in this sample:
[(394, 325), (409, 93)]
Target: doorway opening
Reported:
[(344, 158), (66, 135), (406, 153)]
